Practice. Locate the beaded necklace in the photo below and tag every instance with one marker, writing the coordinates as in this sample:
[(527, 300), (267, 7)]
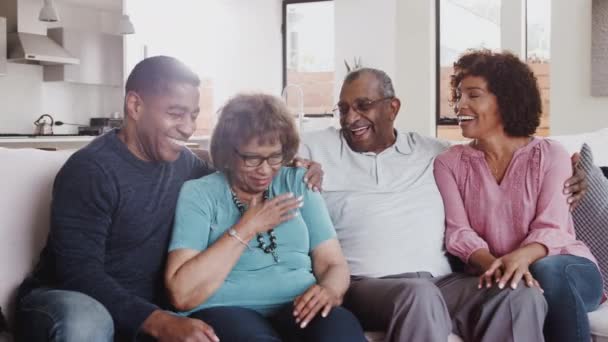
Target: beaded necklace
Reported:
[(268, 249)]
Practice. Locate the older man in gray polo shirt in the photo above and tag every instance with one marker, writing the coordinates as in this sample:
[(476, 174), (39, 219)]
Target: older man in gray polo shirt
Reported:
[(388, 213)]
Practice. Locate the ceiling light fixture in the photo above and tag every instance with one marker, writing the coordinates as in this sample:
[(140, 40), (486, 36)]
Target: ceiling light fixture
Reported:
[(48, 13), (126, 26)]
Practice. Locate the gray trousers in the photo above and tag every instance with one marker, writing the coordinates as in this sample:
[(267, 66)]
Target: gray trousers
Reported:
[(417, 307)]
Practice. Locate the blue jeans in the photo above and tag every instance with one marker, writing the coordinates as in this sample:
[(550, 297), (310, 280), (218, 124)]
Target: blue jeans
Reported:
[(47, 314), (573, 287), (235, 324)]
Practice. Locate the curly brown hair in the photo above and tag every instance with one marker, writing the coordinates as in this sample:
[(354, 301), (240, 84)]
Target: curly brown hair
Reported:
[(510, 80), (249, 116)]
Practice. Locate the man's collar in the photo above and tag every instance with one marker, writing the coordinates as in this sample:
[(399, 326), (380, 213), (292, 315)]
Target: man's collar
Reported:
[(401, 144)]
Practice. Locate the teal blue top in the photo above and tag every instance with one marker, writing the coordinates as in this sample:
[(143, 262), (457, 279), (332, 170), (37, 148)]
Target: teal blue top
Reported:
[(205, 211)]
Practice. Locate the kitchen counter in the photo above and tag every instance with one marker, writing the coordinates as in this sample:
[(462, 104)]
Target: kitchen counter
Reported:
[(74, 142), (44, 139)]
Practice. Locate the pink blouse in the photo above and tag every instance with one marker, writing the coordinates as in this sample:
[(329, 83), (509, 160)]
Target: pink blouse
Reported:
[(527, 206)]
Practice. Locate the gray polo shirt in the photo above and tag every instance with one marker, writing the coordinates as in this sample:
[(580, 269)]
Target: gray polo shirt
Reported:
[(386, 207)]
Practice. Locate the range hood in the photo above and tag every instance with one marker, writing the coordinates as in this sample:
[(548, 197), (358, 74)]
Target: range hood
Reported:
[(36, 48), (26, 40)]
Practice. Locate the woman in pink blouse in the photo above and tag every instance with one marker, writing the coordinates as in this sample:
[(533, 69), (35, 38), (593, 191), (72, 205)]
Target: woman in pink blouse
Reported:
[(507, 217)]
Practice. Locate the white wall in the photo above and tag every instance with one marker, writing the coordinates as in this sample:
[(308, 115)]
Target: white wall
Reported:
[(250, 49), (235, 43), (365, 29), (24, 96), (415, 78), (573, 109), (396, 36), (20, 99)]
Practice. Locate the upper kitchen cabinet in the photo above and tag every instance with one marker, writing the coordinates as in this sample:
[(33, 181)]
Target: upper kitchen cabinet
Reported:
[(100, 54), (2, 46)]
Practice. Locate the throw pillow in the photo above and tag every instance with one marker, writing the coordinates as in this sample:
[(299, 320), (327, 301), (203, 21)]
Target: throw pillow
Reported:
[(591, 215)]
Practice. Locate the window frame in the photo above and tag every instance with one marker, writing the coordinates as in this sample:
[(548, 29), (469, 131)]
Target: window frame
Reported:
[(523, 43), (284, 32), (284, 44)]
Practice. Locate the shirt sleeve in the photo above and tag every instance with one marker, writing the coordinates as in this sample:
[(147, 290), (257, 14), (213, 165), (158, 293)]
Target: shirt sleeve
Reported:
[(552, 220), (314, 213), (83, 203), (460, 238), (192, 223)]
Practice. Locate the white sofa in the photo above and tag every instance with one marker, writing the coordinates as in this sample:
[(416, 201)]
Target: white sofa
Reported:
[(26, 177)]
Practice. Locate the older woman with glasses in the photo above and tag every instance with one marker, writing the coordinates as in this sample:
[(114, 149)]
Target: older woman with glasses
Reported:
[(254, 252)]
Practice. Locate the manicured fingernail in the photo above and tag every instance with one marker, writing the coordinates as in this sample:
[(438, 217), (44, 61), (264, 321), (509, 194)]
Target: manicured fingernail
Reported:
[(566, 184), (300, 198), (479, 286), (309, 186), (303, 325), (513, 286), (315, 189), (488, 285), (290, 194), (529, 283), (324, 315), (296, 214), (566, 191), (295, 313), (305, 180), (570, 200), (501, 285)]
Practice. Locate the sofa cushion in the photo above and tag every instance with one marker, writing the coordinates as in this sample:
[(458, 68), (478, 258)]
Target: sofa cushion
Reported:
[(596, 140), (598, 323), (379, 336), (26, 179), (591, 215)]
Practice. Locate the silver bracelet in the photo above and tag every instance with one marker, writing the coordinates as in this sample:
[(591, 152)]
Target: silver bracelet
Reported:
[(232, 232)]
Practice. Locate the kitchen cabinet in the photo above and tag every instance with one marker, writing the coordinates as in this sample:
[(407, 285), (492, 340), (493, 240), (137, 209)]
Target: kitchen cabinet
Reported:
[(100, 54), (3, 65)]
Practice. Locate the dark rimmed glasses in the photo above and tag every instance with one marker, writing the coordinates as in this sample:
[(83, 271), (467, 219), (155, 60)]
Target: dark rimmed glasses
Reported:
[(255, 160), (360, 106)]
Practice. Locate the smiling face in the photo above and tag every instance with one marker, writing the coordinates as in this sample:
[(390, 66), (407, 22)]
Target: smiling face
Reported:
[(477, 109), (162, 123), (255, 179), (370, 128)]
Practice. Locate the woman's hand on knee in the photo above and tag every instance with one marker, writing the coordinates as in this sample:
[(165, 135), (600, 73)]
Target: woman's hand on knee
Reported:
[(316, 299), (490, 277), (515, 267)]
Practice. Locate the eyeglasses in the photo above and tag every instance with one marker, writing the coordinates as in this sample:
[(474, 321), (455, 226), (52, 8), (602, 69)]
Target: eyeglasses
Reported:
[(360, 106), (255, 161)]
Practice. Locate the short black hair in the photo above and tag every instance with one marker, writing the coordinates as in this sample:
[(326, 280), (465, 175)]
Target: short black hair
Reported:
[(153, 75), (510, 80)]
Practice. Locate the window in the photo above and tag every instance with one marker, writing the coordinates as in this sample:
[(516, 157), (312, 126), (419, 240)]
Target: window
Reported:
[(496, 25), (308, 56), (462, 24), (539, 53)]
